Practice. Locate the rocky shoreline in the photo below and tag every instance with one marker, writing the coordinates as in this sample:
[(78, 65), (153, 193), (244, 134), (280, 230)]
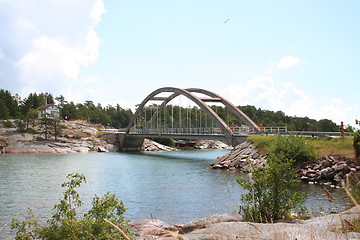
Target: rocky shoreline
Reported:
[(332, 226), (240, 158), (331, 170), (76, 136)]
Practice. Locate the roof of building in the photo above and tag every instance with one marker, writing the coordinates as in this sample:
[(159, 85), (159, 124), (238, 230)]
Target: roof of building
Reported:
[(43, 107)]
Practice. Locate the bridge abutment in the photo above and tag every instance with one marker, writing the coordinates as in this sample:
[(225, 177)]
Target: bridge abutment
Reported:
[(129, 143), (234, 141), (124, 142)]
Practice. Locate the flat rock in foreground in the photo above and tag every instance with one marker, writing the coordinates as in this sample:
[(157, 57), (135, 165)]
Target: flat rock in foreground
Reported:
[(223, 227)]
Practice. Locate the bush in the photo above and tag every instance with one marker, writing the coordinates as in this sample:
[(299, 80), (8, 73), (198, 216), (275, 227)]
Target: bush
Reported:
[(294, 147), (270, 197), (77, 137), (20, 125), (8, 124), (65, 224), (32, 131), (356, 145)]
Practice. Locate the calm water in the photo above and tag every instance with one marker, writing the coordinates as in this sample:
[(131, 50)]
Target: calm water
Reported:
[(175, 187)]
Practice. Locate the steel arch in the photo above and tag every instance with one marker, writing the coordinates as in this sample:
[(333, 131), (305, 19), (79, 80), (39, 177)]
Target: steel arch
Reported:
[(188, 93), (240, 114)]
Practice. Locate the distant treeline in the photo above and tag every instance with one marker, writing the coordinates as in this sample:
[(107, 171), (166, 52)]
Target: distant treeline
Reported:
[(271, 118), (12, 106)]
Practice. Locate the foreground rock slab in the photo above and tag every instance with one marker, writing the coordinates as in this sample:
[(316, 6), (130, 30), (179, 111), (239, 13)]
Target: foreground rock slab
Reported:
[(224, 227)]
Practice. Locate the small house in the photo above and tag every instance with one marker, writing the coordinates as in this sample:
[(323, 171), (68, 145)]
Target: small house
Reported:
[(48, 110)]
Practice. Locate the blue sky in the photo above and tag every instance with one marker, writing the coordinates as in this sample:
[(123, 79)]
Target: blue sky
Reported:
[(300, 57)]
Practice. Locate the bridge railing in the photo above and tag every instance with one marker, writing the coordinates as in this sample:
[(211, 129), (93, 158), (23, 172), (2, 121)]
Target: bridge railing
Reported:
[(185, 131), (243, 130), (277, 129), (252, 130)]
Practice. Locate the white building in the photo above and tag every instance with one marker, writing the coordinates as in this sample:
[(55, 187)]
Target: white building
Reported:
[(49, 110)]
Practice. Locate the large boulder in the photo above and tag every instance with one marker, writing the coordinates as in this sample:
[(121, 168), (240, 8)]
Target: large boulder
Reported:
[(205, 222)]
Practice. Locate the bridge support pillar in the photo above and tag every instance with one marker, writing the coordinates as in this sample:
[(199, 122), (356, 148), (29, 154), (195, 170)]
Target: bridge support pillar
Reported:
[(124, 142), (129, 143), (234, 141)]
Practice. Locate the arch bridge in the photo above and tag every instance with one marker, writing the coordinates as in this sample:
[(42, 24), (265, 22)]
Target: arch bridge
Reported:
[(201, 120)]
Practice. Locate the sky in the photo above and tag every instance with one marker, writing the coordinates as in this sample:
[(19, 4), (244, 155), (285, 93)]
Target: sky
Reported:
[(299, 57)]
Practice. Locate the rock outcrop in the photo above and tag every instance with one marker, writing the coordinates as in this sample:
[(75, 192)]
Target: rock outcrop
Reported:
[(242, 158), (153, 228), (331, 170), (75, 137), (211, 144), (149, 145), (227, 227)]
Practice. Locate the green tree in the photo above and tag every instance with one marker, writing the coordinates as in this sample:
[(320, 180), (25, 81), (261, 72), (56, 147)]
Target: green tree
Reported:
[(270, 194), (47, 124), (4, 111), (326, 125), (10, 103), (20, 125), (69, 111), (30, 117), (66, 224), (57, 128)]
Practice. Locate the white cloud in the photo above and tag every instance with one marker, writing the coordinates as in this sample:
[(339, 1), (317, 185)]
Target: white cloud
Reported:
[(289, 62), (271, 67), (48, 42), (337, 110), (257, 91), (285, 63), (91, 79), (261, 92)]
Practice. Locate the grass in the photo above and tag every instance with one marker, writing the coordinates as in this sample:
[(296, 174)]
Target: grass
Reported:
[(334, 146), (323, 146), (262, 142)]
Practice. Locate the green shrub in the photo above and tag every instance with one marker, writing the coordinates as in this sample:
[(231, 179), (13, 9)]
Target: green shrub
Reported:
[(32, 131), (294, 147), (270, 197), (8, 124), (356, 145), (65, 224), (77, 137), (20, 125)]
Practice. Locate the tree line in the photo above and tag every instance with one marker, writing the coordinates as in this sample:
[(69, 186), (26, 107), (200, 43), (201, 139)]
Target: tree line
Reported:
[(278, 118), (13, 107)]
